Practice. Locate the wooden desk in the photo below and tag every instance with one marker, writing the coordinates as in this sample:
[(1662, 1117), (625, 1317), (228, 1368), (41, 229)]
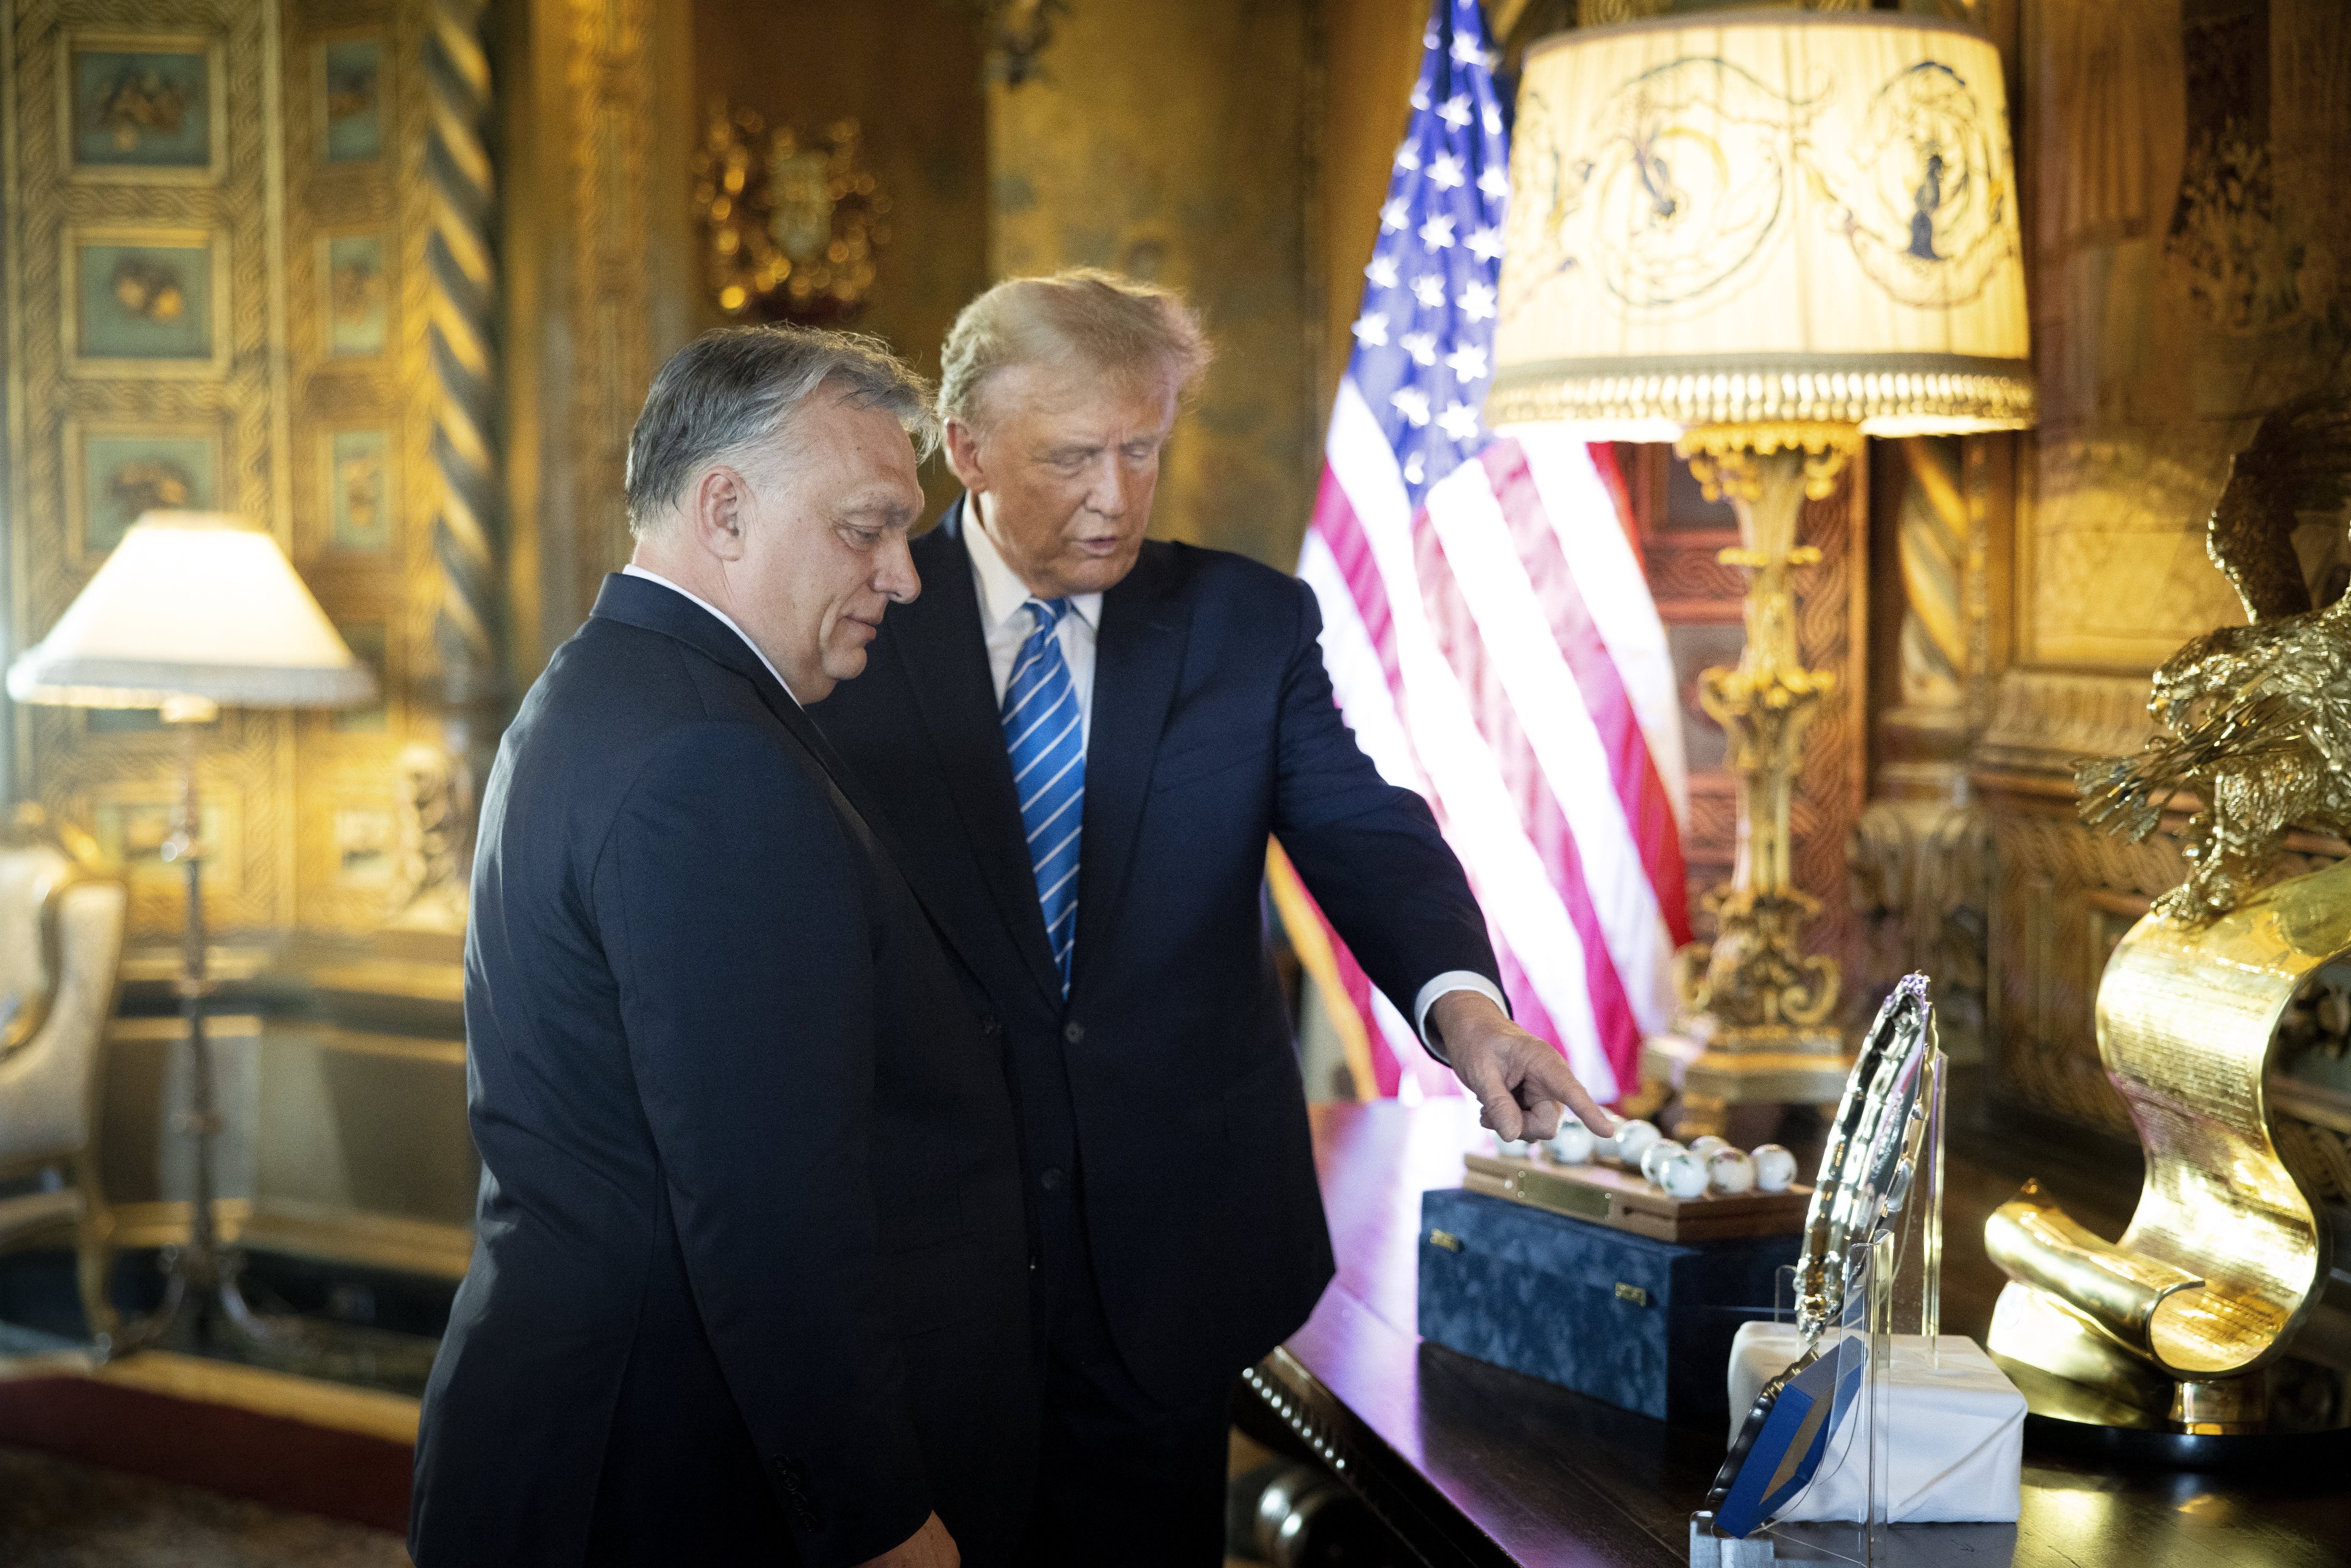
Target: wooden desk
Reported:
[(1476, 1465)]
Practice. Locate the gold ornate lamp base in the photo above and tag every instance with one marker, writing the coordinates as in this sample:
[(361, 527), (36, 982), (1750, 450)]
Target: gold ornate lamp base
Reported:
[(1756, 1006)]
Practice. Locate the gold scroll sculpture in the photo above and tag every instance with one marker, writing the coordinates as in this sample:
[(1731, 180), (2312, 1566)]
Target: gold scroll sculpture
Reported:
[(2228, 1252)]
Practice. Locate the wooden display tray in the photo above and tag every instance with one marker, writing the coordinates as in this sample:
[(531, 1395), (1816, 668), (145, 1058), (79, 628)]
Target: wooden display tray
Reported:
[(1626, 1200)]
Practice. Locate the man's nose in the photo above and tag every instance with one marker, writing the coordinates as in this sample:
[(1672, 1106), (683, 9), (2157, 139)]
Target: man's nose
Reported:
[(895, 577), (1107, 495)]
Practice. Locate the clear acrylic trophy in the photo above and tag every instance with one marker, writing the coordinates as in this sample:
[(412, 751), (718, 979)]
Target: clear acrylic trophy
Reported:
[(1814, 1445)]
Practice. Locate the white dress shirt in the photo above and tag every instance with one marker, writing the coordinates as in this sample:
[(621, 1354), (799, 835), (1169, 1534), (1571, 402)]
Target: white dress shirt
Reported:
[(1006, 624), (723, 620)]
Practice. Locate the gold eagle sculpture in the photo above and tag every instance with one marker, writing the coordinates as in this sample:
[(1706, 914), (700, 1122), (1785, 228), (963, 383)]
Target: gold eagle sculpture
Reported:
[(2256, 718)]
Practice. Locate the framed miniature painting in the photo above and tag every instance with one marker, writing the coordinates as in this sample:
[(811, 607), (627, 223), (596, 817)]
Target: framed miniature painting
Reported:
[(358, 302), (142, 302), (352, 100), (141, 106), (358, 477), (116, 472)]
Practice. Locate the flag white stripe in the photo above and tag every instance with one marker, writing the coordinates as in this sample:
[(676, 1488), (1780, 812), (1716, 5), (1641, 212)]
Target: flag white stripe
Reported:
[(1615, 589), (1356, 673), (1558, 729)]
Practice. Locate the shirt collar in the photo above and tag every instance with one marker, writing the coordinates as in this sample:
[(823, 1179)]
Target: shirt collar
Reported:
[(723, 620), (1002, 594)]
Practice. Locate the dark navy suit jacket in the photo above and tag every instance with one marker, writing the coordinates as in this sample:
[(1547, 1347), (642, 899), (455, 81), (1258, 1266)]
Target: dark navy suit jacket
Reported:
[(1162, 1102), (751, 1275)]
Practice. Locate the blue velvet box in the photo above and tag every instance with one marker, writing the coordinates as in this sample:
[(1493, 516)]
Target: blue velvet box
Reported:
[(1641, 1323)]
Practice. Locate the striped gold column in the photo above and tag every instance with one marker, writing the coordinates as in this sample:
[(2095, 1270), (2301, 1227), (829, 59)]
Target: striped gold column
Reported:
[(463, 285)]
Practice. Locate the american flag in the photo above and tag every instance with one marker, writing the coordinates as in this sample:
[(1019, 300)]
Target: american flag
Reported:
[(1486, 624)]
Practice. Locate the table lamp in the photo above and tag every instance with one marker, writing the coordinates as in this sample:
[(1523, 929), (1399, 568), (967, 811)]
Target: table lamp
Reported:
[(1764, 236), (193, 612)]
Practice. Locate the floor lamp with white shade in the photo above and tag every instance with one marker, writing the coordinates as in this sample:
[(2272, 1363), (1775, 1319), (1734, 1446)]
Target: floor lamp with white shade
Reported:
[(194, 612)]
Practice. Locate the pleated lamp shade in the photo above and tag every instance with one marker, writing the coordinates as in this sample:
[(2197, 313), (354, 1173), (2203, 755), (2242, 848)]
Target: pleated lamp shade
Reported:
[(1760, 217), (194, 604)]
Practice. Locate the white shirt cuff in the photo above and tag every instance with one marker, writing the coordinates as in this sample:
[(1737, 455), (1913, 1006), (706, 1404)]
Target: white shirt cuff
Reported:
[(1451, 980)]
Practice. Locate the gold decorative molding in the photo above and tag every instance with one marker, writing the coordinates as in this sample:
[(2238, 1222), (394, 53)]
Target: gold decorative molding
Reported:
[(2042, 720), (609, 81), (1921, 881), (1938, 389), (790, 222)]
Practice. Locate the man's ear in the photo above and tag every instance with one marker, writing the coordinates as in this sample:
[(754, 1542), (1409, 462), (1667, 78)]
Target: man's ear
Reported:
[(716, 509), (963, 456)]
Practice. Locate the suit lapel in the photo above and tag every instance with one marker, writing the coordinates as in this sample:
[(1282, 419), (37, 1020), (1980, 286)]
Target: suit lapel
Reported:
[(1138, 655), (652, 607), (946, 656)]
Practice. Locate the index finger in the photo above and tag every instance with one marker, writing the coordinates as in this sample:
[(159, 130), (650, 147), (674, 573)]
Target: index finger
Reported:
[(1550, 1077)]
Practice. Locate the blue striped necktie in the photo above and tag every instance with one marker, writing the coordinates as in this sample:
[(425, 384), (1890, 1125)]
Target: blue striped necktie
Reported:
[(1048, 746)]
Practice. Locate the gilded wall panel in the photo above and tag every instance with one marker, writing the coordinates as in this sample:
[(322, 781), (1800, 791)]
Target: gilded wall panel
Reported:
[(364, 478), (610, 93), (221, 217), (146, 245), (2191, 165), (1166, 138)]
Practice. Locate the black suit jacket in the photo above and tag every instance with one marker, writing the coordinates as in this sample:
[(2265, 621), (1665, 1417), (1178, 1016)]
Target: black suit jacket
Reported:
[(1168, 1080), (750, 1280)]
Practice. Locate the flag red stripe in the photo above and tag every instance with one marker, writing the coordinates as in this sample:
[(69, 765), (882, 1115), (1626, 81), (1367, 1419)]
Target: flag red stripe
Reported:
[(1335, 520), (1546, 825), (1640, 789)]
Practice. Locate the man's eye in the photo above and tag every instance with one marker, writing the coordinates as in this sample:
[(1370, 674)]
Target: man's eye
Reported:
[(863, 539)]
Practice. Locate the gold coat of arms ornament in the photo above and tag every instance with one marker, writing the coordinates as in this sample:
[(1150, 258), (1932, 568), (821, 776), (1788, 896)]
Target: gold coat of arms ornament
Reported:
[(2184, 1329), (792, 222)]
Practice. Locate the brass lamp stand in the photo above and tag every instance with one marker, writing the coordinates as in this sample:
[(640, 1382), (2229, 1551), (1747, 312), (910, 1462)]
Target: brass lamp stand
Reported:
[(192, 612), (1755, 1004), (202, 1305)]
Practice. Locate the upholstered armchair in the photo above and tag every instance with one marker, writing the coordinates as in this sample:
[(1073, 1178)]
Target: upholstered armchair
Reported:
[(61, 943)]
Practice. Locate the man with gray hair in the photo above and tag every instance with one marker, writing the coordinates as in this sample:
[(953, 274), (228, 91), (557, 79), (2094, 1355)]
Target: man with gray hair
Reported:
[(1082, 740), (750, 1278)]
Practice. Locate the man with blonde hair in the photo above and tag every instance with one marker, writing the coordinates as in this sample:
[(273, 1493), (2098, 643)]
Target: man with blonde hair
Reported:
[(1082, 740)]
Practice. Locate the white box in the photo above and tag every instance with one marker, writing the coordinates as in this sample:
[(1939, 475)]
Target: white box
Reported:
[(1957, 1446)]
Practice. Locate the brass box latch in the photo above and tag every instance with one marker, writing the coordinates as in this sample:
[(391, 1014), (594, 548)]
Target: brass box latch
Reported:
[(1445, 1238), (1633, 1293)]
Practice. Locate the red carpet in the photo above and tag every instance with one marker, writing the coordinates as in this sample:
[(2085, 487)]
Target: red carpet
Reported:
[(283, 1463)]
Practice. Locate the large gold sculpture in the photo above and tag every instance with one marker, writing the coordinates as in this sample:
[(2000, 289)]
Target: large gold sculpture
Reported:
[(2257, 719), (2185, 1318)]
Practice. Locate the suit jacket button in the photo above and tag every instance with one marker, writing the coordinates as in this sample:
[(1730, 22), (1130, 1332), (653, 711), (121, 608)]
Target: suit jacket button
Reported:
[(1074, 1032), (991, 1026), (1052, 1179)]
